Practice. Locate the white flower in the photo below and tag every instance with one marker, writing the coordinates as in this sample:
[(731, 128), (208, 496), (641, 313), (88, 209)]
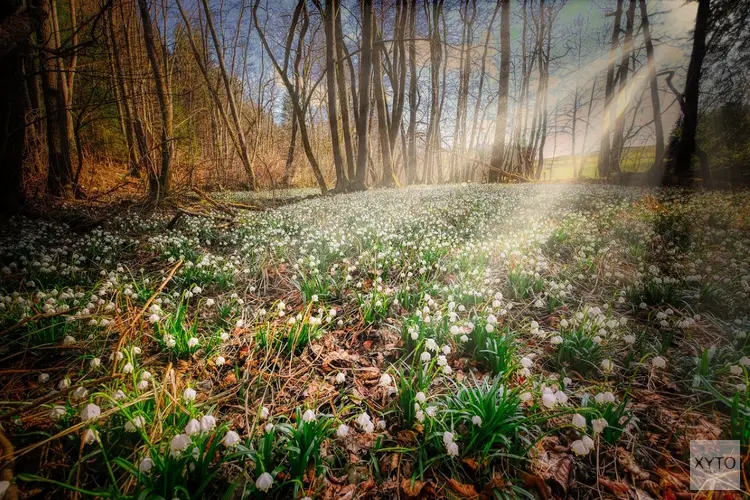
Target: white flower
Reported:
[(420, 396), (476, 420), (154, 318), (189, 394), (446, 349), (89, 436), (80, 393), (604, 397), (193, 427), (658, 362), (118, 395), (57, 412), (95, 363), (447, 437), (431, 345), (231, 439), (340, 378), (588, 442), (208, 422), (419, 415), (308, 416), (264, 412), (745, 361), (197, 290), (629, 339), (219, 361), (43, 378), (525, 396), (579, 448), (128, 368), (210, 302), (264, 482), (146, 465), (192, 342), (90, 412), (735, 370), (269, 427), (342, 431), (385, 379), (599, 424), (556, 340), (452, 449), (607, 365), (579, 421), (68, 340), (549, 400), (179, 443), (526, 362), (365, 422), (142, 385), (561, 397), (425, 357), (314, 298)]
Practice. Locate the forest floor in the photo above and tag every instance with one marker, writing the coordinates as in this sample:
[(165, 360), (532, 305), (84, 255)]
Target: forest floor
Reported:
[(531, 341)]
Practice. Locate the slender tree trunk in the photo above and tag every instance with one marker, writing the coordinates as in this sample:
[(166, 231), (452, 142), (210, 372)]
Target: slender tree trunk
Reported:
[(686, 146), (411, 162), (365, 68), (388, 178), (333, 120), (627, 49), (158, 186), (604, 149), (498, 151), (341, 86), (658, 169)]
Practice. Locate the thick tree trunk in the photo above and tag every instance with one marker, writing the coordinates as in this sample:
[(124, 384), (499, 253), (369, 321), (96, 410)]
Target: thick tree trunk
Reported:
[(498, 151), (411, 173), (686, 147)]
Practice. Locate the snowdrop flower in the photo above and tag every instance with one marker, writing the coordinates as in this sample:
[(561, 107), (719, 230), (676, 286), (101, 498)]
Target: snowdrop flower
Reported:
[(735, 370), (224, 336), (604, 397), (579, 421), (308, 416), (193, 427), (119, 395), (64, 383), (146, 465), (340, 378), (69, 340), (89, 436), (128, 368), (556, 340), (431, 411), (219, 361), (142, 385), (208, 422), (599, 424), (197, 290), (431, 345), (561, 397), (745, 361), (629, 339), (447, 437), (210, 302), (526, 362), (419, 415), (658, 362), (95, 363), (420, 397), (178, 444), (476, 420), (189, 394), (425, 357), (549, 400), (264, 482), (741, 387), (192, 342), (525, 397), (446, 349), (90, 412), (231, 439), (385, 380), (452, 449), (579, 448), (564, 323), (365, 422), (57, 412), (607, 365), (588, 442), (342, 431), (269, 427), (154, 318)]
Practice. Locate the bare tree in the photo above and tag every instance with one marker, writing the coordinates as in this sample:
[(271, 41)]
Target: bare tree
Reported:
[(498, 151)]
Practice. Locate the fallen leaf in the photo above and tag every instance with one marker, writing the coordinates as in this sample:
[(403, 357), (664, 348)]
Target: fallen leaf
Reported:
[(496, 483), (552, 463), (411, 489), (628, 462), (464, 490), (617, 488), (532, 481), (471, 463)]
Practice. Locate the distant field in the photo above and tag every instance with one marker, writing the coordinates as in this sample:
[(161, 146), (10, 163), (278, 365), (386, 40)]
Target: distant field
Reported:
[(635, 159)]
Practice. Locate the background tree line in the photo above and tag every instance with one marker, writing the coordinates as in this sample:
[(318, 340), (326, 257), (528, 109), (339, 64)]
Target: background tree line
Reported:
[(344, 95)]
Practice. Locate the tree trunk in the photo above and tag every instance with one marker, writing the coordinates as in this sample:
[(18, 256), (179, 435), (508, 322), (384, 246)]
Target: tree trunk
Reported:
[(658, 169), (388, 179), (498, 151), (341, 85), (627, 49), (411, 173), (365, 68), (604, 149), (158, 185), (333, 120), (686, 146)]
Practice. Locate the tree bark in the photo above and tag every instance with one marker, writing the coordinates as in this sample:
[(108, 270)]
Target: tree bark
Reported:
[(411, 173), (365, 68), (658, 168), (333, 120), (498, 151), (627, 49), (604, 149), (341, 86), (388, 179)]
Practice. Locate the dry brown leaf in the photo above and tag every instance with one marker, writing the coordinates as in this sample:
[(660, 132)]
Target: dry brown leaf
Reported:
[(411, 489), (463, 490), (471, 463), (628, 462), (552, 463), (617, 488), (496, 483), (532, 481)]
